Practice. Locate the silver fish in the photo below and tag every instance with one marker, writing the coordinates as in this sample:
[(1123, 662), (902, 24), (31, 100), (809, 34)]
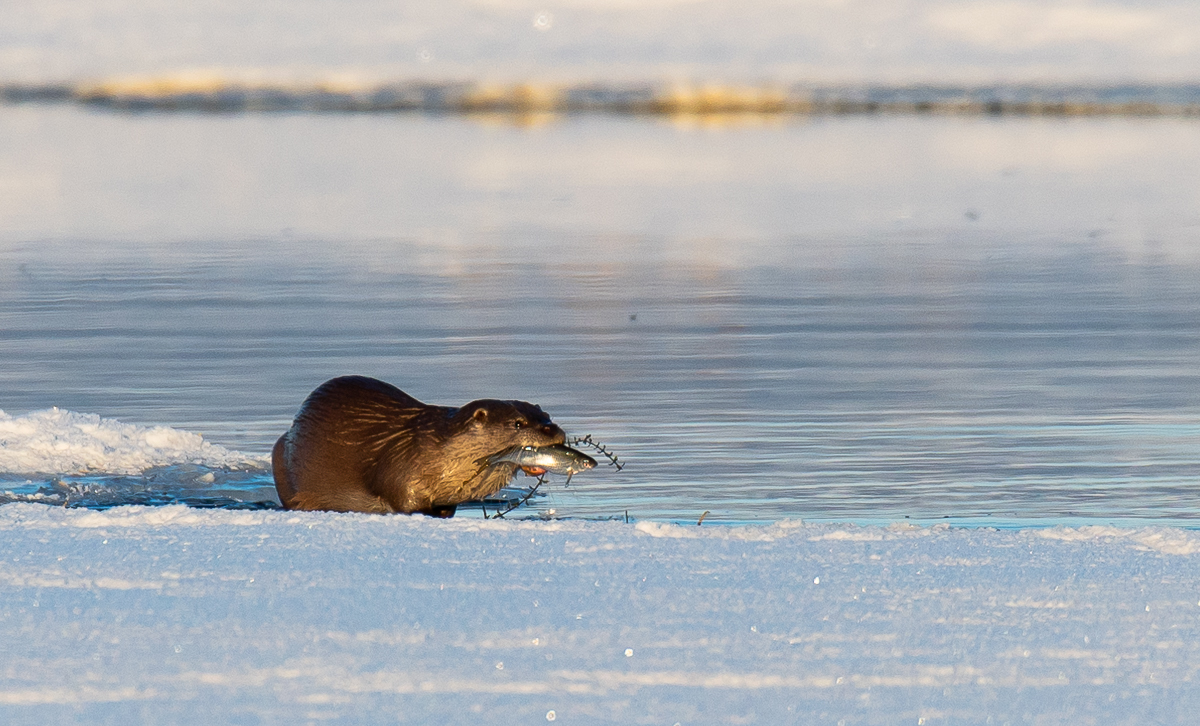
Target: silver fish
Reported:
[(536, 460)]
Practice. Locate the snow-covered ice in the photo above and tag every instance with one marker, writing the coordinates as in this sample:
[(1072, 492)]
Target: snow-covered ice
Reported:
[(58, 441), (909, 40), (170, 614)]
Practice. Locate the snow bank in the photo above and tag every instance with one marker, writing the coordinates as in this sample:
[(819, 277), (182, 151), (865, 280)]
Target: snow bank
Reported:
[(169, 614), (1161, 539), (62, 442)]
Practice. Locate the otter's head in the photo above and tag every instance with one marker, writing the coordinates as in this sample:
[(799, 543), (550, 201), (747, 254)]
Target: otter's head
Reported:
[(497, 425)]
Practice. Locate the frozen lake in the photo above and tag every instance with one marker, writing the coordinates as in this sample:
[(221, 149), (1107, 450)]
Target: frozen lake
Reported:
[(174, 615), (974, 320), (876, 324)]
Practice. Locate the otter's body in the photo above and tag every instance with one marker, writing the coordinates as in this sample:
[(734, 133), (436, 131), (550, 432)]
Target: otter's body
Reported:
[(362, 445)]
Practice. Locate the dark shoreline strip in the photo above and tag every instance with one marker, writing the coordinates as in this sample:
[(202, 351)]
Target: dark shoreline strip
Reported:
[(466, 98)]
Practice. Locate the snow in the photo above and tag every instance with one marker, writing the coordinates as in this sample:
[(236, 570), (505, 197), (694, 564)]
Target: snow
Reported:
[(59, 441), (170, 614), (889, 40)]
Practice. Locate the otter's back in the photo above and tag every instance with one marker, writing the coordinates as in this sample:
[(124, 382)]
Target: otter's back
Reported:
[(343, 428)]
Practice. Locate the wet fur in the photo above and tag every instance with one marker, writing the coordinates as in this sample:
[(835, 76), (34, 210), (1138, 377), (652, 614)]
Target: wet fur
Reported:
[(361, 445)]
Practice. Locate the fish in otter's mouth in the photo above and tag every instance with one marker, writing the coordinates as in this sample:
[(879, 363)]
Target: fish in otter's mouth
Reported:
[(538, 460)]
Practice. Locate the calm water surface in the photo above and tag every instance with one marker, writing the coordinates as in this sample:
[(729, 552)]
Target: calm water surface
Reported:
[(868, 319)]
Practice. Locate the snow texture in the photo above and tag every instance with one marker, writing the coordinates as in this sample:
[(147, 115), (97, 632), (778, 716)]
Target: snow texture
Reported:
[(175, 615), (64, 442)]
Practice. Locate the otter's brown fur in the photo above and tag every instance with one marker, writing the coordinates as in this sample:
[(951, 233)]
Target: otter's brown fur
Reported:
[(361, 445)]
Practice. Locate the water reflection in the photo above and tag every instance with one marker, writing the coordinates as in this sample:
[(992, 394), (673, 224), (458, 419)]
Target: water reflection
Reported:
[(747, 317)]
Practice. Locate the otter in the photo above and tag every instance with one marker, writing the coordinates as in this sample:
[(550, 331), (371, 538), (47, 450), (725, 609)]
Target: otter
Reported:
[(361, 445)]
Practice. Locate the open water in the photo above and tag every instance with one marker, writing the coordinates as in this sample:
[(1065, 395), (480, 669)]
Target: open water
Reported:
[(978, 320)]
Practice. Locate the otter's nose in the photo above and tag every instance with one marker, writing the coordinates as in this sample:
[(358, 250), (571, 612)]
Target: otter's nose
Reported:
[(554, 432)]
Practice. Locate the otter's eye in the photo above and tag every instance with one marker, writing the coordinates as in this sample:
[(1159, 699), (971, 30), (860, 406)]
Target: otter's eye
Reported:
[(519, 424)]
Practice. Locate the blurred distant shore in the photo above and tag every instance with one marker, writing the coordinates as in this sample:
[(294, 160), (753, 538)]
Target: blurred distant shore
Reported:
[(216, 95)]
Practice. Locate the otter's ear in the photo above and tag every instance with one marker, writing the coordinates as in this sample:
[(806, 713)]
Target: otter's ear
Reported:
[(480, 416)]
